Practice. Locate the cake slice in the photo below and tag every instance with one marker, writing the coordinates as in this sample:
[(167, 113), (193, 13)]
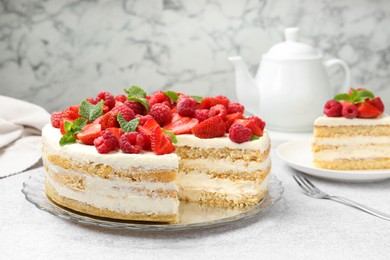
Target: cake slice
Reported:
[(354, 134)]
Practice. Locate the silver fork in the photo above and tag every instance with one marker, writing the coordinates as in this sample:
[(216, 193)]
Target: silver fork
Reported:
[(312, 191)]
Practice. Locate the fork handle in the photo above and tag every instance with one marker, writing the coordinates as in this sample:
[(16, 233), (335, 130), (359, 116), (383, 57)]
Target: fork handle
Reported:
[(361, 207)]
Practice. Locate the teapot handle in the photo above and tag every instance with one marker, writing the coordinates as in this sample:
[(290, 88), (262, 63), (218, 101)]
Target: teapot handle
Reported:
[(347, 72)]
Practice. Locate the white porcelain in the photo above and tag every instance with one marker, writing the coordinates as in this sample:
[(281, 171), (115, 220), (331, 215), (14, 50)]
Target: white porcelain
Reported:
[(291, 85), (297, 154)]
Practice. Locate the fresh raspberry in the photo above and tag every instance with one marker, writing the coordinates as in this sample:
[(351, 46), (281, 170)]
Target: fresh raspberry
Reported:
[(234, 107), (209, 102), (349, 110), (56, 118), (186, 106), (92, 101), (201, 114), (210, 128), (224, 100), (333, 108), (161, 113), (138, 108), (260, 123), (143, 119), (158, 97), (218, 110), (121, 98), (109, 99), (132, 142), (239, 133), (125, 111), (106, 143)]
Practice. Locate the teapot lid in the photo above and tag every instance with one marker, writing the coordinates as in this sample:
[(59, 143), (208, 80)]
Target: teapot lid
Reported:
[(292, 48)]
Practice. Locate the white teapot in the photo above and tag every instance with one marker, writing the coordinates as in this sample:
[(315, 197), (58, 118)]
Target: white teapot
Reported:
[(291, 85)]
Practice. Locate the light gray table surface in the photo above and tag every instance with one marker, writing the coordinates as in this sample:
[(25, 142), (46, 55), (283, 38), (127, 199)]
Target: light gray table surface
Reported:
[(297, 227)]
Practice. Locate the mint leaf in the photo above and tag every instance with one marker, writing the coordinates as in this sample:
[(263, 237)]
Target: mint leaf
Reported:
[(197, 98), (255, 137), (143, 101), (364, 94), (174, 139), (135, 91), (172, 95), (89, 111), (127, 127), (67, 126), (80, 123), (67, 138), (343, 97)]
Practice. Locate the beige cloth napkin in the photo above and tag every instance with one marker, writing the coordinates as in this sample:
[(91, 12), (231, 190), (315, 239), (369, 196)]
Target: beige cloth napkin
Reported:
[(20, 134)]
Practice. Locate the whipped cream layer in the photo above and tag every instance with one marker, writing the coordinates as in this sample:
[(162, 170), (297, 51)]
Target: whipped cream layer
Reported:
[(383, 119), (116, 195), (261, 144), (200, 181), (87, 153), (225, 165), (353, 152), (355, 140)]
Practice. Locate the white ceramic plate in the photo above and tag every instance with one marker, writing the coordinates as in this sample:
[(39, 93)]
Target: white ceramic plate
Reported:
[(297, 154)]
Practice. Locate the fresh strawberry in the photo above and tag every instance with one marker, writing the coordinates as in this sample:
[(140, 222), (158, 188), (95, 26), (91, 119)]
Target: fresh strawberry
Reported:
[(377, 102), (186, 106), (210, 128), (146, 130), (260, 123), (181, 124), (224, 100), (234, 107), (218, 110), (108, 120), (151, 124), (333, 108), (349, 110), (72, 112), (161, 113), (117, 132), (238, 133), (256, 130), (143, 119), (158, 97), (160, 143), (209, 102), (230, 118), (89, 133), (367, 110), (62, 124)]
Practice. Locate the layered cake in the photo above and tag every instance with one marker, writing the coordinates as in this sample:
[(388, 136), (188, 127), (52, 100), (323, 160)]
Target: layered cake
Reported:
[(354, 133), (135, 156)]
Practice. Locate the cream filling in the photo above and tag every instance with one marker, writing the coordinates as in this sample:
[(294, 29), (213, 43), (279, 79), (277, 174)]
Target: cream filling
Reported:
[(117, 195), (199, 181), (356, 140), (261, 144), (383, 119), (224, 165), (87, 153), (353, 152)]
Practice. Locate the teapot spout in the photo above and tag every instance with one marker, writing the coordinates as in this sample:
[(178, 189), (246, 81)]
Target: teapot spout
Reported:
[(246, 87)]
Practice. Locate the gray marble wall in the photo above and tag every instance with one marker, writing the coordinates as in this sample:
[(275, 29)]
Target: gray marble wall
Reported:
[(54, 53)]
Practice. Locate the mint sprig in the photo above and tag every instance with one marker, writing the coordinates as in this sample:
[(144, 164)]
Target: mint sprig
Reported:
[(71, 129), (197, 98), (90, 111), (174, 139), (356, 96), (172, 95), (255, 137), (137, 94), (127, 127)]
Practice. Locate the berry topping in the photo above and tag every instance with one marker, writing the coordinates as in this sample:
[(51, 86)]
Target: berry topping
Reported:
[(239, 133), (260, 123), (158, 97), (107, 120), (125, 111), (137, 107), (181, 125), (349, 110), (230, 118), (132, 142), (106, 143), (56, 118), (333, 108), (62, 124), (160, 143), (109, 99), (161, 113), (201, 114), (235, 107), (367, 110), (218, 110), (224, 100), (89, 133), (209, 102), (121, 98), (377, 102), (210, 128), (143, 119), (256, 130), (186, 106)]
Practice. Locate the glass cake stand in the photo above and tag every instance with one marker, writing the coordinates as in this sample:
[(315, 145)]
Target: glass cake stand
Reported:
[(192, 215)]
